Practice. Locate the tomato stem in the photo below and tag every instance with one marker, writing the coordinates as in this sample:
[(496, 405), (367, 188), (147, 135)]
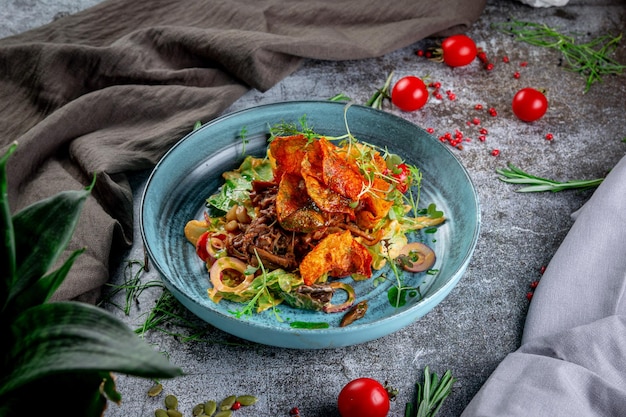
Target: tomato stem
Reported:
[(377, 99)]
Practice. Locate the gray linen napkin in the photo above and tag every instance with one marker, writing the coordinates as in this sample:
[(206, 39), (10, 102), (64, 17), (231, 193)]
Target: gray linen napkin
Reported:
[(573, 352)]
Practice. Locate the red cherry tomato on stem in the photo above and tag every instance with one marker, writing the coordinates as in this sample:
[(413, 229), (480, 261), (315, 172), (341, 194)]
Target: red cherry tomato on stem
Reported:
[(458, 50), (363, 397), (409, 93), (529, 104)]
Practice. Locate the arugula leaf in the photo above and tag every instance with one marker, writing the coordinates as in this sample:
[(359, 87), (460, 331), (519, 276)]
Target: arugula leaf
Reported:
[(238, 183)]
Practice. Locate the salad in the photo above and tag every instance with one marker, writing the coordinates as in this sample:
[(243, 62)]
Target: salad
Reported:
[(290, 226)]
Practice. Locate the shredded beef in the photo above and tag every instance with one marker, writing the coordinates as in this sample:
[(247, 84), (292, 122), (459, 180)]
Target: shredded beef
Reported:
[(263, 237), (276, 247)]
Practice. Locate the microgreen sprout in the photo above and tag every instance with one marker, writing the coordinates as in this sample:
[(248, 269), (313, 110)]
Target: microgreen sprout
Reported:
[(291, 129), (416, 180), (243, 134)]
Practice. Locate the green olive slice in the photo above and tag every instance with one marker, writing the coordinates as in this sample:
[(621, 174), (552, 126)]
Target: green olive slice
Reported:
[(416, 257)]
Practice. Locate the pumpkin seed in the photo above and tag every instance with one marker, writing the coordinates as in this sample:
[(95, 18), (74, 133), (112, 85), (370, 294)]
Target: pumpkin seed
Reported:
[(247, 399), (198, 410), (228, 402), (160, 413), (174, 413), (171, 402), (210, 407), (155, 390), (224, 413)]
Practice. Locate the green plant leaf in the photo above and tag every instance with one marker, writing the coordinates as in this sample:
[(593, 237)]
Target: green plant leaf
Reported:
[(42, 231), (83, 394), (42, 289), (7, 253), (70, 337), (432, 211), (397, 296)]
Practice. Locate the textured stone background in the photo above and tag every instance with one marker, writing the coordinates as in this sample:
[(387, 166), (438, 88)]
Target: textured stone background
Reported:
[(481, 321)]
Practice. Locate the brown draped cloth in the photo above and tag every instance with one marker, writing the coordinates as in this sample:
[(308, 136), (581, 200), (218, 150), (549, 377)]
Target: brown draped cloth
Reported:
[(110, 89)]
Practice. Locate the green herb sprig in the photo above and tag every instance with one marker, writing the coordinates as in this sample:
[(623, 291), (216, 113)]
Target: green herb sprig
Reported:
[(289, 129), (515, 175), (430, 395), (591, 59), (377, 99)]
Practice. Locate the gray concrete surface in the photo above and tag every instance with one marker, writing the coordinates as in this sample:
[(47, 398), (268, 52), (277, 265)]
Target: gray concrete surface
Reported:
[(481, 321)]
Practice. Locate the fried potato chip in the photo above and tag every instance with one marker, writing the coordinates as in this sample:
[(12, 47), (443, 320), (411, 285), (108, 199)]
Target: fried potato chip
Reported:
[(326, 199), (374, 206), (336, 255), (295, 210), (288, 153), (340, 175)]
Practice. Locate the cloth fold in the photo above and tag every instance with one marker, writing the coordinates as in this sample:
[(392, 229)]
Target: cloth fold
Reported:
[(109, 90), (573, 347), (577, 372)]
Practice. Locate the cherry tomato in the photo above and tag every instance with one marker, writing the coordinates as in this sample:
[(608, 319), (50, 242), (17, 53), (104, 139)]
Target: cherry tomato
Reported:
[(403, 176), (458, 50), (201, 246), (363, 397), (529, 104), (409, 93)]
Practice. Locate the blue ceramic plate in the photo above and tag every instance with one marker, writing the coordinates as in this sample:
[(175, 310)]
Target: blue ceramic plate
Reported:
[(192, 169)]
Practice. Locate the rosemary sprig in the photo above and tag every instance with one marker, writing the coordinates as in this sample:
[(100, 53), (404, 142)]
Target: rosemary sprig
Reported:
[(590, 59), (430, 395), (514, 175)]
